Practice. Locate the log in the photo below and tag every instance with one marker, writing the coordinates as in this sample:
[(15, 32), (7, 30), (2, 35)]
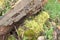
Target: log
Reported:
[(19, 10)]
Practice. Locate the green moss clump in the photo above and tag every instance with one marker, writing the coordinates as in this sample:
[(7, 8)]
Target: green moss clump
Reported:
[(11, 37), (34, 25)]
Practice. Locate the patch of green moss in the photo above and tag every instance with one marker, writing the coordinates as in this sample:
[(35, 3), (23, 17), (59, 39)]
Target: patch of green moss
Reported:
[(34, 25), (11, 37)]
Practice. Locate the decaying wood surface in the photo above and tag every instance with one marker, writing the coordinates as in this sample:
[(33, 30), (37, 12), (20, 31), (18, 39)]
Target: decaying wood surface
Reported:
[(19, 10)]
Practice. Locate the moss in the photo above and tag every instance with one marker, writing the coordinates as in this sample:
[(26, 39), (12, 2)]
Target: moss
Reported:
[(11, 37), (34, 25)]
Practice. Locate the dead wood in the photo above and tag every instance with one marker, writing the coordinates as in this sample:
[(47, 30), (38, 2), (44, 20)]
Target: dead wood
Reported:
[(13, 18)]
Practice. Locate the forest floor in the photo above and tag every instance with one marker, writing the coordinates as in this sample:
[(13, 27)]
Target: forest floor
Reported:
[(44, 25)]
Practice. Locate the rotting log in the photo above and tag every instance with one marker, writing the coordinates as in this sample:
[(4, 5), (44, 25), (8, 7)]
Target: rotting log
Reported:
[(14, 17)]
